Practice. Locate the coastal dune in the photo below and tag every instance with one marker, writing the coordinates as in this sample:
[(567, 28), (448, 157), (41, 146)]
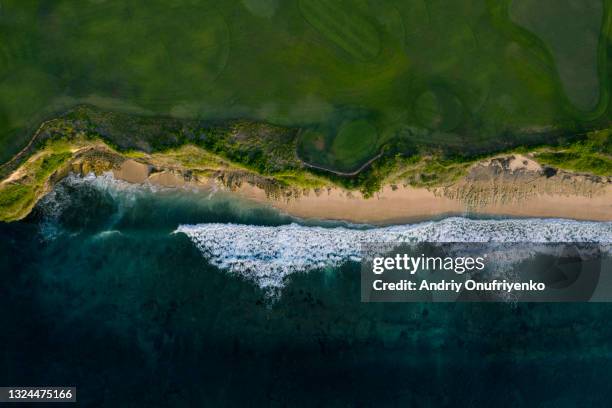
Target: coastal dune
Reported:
[(494, 188)]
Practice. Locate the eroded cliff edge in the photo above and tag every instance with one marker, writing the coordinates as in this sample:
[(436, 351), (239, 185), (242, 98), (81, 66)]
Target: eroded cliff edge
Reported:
[(259, 161)]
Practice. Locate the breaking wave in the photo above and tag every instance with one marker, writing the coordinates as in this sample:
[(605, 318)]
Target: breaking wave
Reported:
[(268, 255), (66, 193)]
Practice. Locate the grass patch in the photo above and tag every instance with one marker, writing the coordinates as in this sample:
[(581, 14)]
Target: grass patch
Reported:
[(343, 23), (571, 31), (354, 144), (343, 149), (592, 155), (439, 109), (578, 161), (13, 195), (17, 199)]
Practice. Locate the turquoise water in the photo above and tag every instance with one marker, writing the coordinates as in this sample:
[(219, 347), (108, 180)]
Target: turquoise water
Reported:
[(99, 292)]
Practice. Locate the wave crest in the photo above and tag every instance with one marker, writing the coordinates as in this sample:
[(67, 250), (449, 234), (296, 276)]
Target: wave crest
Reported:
[(268, 255)]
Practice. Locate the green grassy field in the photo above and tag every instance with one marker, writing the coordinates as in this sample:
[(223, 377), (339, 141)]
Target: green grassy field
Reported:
[(571, 30), (466, 76), (591, 155), (353, 144)]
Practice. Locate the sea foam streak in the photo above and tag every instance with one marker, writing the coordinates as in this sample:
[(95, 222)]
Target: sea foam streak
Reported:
[(267, 255)]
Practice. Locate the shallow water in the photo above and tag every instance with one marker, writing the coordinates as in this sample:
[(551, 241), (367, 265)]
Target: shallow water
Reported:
[(99, 292)]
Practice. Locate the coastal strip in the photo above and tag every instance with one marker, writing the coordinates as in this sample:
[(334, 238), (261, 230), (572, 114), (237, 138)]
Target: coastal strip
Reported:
[(258, 161), (577, 197)]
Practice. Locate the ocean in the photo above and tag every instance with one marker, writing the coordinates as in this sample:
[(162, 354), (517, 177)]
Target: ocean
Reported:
[(139, 297)]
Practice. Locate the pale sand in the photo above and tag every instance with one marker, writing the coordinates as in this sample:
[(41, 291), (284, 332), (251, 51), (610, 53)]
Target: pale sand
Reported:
[(403, 204), (133, 171), (411, 204), (167, 179), (521, 162), (597, 208)]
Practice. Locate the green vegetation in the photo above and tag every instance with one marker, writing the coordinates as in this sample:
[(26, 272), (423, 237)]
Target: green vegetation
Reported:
[(257, 151), (354, 144), (592, 155), (345, 24), (438, 109), (571, 30), (464, 77), (13, 199), (261, 8), (418, 171), (17, 199)]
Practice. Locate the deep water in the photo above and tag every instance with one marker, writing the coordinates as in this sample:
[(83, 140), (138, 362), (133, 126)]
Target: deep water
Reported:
[(98, 293)]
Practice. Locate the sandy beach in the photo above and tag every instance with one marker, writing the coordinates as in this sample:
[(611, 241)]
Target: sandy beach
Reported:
[(413, 204), (393, 204)]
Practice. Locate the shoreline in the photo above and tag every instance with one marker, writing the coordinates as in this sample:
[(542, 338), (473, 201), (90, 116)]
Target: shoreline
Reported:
[(408, 204), (391, 205), (507, 185), (254, 160)]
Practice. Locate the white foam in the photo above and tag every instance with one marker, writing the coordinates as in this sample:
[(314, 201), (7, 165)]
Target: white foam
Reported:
[(53, 204), (268, 255)]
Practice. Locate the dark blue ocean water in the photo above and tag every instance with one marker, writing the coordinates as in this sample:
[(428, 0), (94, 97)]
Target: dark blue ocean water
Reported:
[(98, 293)]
